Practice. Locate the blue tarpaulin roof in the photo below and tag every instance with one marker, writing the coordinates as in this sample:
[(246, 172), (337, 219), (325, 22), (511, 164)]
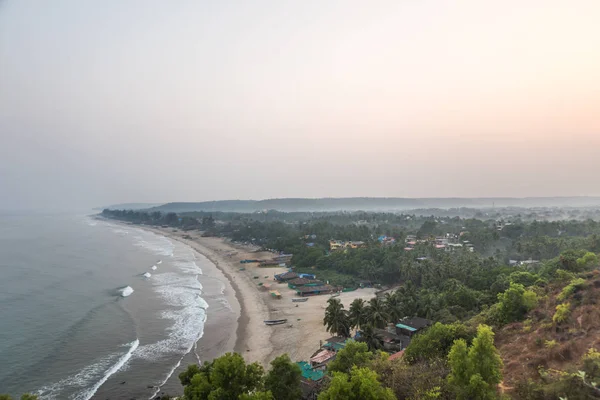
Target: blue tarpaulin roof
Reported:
[(408, 328), (308, 372), (335, 346)]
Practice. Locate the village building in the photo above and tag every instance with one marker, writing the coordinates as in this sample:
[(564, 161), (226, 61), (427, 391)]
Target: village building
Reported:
[(287, 276), (411, 326), (303, 291), (294, 283)]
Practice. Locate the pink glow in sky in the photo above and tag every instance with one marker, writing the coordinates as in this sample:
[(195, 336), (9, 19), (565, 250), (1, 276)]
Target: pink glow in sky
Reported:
[(118, 101)]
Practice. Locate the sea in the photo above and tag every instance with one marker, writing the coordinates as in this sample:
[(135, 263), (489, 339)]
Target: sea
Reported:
[(93, 309)]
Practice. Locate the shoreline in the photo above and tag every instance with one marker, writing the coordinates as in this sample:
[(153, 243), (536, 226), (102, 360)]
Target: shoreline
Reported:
[(301, 337)]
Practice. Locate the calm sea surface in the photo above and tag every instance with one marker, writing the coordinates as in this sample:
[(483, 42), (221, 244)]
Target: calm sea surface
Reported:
[(67, 332)]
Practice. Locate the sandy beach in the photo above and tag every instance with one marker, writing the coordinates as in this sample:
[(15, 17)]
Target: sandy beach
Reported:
[(300, 337)]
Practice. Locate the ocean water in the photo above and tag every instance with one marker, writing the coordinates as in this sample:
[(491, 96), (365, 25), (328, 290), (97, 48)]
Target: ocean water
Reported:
[(91, 309)]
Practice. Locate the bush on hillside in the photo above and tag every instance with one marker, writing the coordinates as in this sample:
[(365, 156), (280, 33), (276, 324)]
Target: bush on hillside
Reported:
[(573, 286), (513, 304), (562, 313), (436, 341)]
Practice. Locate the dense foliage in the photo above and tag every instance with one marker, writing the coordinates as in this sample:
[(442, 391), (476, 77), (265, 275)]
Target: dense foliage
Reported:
[(475, 371), (359, 384), (229, 377)]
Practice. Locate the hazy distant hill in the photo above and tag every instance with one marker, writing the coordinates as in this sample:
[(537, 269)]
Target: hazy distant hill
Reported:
[(131, 206), (373, 203)]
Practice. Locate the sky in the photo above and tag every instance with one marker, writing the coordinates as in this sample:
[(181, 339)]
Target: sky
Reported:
[(112, 101)]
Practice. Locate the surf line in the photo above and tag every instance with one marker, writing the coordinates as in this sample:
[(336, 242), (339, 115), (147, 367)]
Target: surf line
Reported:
[(117, 366)]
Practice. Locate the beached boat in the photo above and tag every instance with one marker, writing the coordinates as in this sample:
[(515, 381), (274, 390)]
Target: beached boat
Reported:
[(335, 295), (299, 299), (275, 321)]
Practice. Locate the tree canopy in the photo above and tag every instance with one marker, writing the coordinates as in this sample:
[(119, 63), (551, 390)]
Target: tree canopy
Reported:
[(360, 384), (283, 379), (226, 377), (476, 370)]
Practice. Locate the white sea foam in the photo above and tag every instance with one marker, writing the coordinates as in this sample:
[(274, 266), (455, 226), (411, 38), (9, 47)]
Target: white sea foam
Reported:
[(126, 291), (189, 267), (147, 274), (95, 374), (157, 244), (89, 393), (186, 309), (119, 231)]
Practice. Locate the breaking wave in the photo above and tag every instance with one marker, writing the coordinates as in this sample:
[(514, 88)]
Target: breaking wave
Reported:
[(98, 372), (126, 291), (157, 244)]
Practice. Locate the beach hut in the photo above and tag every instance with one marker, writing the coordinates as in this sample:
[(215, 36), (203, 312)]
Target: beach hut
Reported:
[(314, 290), (287, 276), (294, 283), (335, 343), (322, 357)]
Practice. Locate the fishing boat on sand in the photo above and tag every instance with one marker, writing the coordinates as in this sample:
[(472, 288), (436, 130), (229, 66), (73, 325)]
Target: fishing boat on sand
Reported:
[(299, 299), (275, 321)]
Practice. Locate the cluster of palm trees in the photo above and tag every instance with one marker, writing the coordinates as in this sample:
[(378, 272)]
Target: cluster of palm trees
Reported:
[(366, 315)]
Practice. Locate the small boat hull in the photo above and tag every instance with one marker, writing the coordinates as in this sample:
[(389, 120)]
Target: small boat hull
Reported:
[(300, 300), (275, 322)]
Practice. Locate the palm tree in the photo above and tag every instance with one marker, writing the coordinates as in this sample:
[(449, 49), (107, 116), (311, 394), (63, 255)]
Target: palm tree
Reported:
[(357, 313), (336, 319), (393, 306), (368, 336), (376, 312)]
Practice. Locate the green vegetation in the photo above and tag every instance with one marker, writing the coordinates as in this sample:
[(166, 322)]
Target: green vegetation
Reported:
[(354, 354), (475, 370), (26, 396), (283, 379), (336, 320), (514, 303), (436, 342), (229, 377), (562, 313), (360, 384), (571, 288)]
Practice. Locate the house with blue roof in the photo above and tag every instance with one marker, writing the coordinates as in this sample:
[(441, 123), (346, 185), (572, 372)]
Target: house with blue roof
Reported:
[(411, 326)]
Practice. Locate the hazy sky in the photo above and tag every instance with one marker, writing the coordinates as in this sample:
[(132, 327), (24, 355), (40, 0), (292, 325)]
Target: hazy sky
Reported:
[(154, 101)]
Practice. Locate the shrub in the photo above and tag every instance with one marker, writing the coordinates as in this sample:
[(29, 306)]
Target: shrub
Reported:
[(562, 313), (591, 363), (571, 288), (523, 277), (546, 325), (550, 344), (564, 276), (515, 302), (589, 259), (436, 341)]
